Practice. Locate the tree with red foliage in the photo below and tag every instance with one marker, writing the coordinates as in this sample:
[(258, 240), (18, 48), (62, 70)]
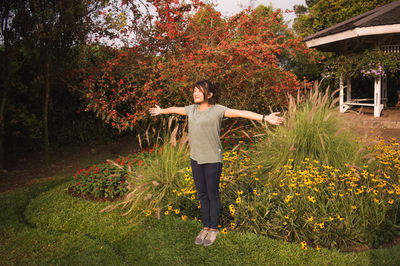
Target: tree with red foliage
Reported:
[(245, 54)]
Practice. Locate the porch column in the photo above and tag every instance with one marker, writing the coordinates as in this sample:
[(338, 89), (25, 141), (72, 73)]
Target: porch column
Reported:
[(342, 107), (348, 89), (377, 97), (384, 92)]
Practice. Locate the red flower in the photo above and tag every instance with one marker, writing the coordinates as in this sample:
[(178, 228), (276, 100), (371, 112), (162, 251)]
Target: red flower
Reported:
[(121, 81)]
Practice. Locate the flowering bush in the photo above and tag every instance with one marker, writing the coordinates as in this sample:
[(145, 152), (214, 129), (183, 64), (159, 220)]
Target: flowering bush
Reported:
[(313, 203), (107, 180), (373, 72)]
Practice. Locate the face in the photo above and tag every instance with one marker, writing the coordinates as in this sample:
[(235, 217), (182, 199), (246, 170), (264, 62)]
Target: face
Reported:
[(198, 95)]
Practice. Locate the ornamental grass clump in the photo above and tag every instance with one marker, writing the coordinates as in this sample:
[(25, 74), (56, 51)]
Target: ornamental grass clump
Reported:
[(151, 186), (314, 129)]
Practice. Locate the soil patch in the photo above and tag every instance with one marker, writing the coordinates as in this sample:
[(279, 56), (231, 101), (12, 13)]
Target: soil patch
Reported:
[(29, 168)]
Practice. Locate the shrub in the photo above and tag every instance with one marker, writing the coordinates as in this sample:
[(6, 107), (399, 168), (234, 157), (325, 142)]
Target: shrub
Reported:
[(314, 129), (107, 180)]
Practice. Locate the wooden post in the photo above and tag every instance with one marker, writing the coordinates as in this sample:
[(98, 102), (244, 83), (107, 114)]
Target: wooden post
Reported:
[(384, 92), (341, 95), (348, 89), (377, 97)]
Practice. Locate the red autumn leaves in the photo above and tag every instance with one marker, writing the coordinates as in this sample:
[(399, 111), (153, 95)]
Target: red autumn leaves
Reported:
[(245, 54)]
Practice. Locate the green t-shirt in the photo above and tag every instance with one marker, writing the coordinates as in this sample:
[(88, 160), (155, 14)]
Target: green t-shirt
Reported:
[(204, 133)]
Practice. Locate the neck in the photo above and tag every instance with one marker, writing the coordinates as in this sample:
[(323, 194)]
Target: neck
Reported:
[(203, 106)]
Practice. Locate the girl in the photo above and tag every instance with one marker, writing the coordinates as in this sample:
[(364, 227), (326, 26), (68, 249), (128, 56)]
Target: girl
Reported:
[(205, 118)]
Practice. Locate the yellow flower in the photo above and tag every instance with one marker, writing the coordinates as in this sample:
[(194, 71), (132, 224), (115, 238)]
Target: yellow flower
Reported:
[(188, 169), (340, 218), (310, 218), (177, 211), (330, 218), (166, 212), (288, 198), (390, 201), (293, 210), (284, 223), (354, 207), (238, 200), (321, 225), (224, 231), (286, 216), (240, 192), (184, 217), (192, 197), (275, 194), (179, 194), (170, 208), (304, 245), (233, 225), (187, 175), (148, 213), (311, 198), (318, 248)]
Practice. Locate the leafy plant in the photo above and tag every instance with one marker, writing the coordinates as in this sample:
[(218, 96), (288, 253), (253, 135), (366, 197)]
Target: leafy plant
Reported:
[(314, 129), (107, 180)]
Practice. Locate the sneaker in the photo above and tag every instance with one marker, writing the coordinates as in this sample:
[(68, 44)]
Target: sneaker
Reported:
[(201, 236), (210, 238)]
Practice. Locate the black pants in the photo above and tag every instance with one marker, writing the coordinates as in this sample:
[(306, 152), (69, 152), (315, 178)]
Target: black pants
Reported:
[(206, 178)]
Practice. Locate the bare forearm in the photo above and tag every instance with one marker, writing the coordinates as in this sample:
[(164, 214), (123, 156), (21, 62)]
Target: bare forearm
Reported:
[(173, 110), (271, 118), (250, 115)]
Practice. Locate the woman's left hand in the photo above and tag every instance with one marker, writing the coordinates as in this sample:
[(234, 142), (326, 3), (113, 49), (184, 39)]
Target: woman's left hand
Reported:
[(274, 119)]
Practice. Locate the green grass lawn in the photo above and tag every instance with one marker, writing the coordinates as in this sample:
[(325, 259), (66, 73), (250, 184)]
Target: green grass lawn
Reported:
[(42, 224)]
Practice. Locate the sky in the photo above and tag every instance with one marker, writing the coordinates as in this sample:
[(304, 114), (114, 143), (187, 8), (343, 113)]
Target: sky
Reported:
[(230, 7)]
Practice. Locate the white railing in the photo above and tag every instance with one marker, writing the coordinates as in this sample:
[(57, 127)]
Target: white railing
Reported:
[(390, 48)]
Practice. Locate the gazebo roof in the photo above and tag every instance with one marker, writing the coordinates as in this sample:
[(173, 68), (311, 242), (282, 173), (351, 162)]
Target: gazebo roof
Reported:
[(361, 32)]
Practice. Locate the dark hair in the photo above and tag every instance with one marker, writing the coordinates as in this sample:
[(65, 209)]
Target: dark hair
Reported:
[(207, 88)]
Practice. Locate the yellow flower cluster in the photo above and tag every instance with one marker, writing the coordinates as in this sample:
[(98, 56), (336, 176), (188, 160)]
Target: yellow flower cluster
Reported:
[(305, 203)]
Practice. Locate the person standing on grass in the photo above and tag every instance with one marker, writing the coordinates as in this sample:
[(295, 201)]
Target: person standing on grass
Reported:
[(205, 117)]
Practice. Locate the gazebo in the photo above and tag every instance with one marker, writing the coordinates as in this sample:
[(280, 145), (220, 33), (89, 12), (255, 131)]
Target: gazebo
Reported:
[(377, 29)]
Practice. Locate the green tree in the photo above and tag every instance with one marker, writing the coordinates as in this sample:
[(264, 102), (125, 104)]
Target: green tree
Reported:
[(322, 14), (9, 38), (50, 31)]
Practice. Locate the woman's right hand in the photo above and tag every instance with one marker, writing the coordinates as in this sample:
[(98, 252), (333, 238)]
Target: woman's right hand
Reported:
[(155, 111)]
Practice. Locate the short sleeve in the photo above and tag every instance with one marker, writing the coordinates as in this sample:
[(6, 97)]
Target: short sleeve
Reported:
[(189, 109), (221, 110)]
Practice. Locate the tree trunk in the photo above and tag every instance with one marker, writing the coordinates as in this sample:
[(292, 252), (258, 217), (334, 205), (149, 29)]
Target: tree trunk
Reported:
[(6, 85), (46, 107), (2, 123)]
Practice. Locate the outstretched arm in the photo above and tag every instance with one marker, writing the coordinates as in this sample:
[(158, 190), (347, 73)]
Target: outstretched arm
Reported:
[(170, 110), (271, 118)]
